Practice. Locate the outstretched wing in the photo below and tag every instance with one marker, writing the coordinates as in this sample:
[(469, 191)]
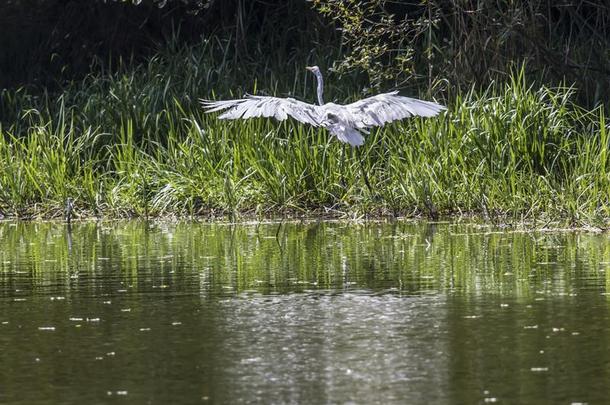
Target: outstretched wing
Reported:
[(262, 106), (387, 107)]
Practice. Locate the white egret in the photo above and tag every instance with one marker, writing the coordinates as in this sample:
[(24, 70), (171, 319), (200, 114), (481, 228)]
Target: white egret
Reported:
[(346, 122)]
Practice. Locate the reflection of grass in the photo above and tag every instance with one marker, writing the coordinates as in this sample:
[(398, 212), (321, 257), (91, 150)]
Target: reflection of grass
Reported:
[(136, 143), (221, 259)]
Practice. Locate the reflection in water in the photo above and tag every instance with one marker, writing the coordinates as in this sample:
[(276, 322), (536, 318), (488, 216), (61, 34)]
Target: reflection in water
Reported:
[(325, 312)]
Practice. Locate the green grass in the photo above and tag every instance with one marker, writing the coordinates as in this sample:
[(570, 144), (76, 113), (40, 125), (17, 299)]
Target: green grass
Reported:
[(136, 143)]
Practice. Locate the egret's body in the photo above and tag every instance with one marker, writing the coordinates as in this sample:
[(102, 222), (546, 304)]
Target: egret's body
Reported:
[(346, 122)]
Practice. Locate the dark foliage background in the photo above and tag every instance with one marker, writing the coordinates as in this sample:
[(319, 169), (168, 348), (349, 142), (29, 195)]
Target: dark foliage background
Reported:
[(477, 41), (438, 45), (45, 42)]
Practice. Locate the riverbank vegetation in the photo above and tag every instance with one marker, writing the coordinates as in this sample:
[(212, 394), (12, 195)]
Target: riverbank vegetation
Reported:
[(128, 138)]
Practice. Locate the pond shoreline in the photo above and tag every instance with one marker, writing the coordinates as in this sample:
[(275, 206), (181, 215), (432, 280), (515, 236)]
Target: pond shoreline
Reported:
[(502, 221)]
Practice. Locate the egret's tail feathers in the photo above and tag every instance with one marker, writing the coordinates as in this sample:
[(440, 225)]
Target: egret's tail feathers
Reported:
[(347, 135)]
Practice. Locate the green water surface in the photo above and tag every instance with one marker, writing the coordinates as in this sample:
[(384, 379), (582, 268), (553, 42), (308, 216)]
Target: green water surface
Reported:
[(405, 313)]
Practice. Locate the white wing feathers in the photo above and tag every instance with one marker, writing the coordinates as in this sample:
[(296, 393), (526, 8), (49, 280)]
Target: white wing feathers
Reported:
[(260, 106), (387, 107)]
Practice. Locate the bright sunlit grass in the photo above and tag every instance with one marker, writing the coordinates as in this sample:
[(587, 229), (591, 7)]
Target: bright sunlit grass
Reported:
[(136, 143)]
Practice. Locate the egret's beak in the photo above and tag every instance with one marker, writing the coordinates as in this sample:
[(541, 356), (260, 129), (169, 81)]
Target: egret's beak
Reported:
[(309, 68)]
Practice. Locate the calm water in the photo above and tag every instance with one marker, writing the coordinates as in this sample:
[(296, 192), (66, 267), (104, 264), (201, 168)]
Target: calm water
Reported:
[(305, 313)]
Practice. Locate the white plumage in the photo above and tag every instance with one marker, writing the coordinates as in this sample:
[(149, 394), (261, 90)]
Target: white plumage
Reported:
[(346, 122)]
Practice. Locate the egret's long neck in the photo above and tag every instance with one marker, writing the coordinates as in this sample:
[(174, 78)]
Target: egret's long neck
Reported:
[(320, 87)]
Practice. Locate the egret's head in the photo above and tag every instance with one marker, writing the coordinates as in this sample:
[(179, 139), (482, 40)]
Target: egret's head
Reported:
[(313, 69)]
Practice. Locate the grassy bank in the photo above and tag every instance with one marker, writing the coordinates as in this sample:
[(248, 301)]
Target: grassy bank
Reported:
[(136, 143)]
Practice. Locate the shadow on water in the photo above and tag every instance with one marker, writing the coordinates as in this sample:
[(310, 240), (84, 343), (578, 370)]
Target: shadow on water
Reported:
[(322, 312)]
